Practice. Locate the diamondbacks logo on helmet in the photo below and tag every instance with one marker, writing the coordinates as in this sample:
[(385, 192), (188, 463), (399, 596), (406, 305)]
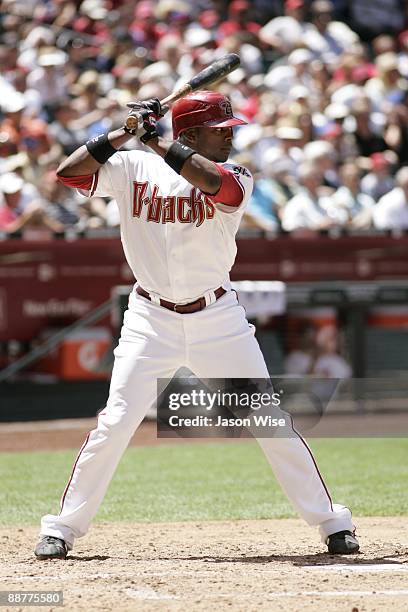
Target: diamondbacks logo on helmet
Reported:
[(226, 108)]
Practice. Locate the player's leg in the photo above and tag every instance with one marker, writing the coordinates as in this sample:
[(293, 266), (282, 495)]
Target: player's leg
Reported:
[(222, 345), (149, 348)]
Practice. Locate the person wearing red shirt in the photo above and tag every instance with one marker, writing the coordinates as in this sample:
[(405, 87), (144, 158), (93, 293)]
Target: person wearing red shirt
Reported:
[(239, 23)]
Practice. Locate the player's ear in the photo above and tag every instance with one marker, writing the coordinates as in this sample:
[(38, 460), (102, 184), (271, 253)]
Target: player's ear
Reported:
[(189, 137)]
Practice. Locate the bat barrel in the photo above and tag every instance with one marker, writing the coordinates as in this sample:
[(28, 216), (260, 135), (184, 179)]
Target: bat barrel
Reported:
[(213, 73)]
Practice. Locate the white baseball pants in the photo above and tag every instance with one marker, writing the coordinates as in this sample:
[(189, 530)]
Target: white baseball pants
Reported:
[(216, 342)]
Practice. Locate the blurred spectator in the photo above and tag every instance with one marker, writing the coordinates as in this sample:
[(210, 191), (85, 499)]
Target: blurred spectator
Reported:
[(391, 212), (317, 354), (329, 363), (328, 39), (354, 206), (22, 209), (59, 202), (396, 131), (373, 17), (283, 34), (41, 151), (145, 30), (308, 210), (388, 87), (300, 361), (285, 76), (367, 131), (288, 141), (322, 154), (379, 180), (12, 125), (272, 193), (49, 78), (240, 21), (63, 129)]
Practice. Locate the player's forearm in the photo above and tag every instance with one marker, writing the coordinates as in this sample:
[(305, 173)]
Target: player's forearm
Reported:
[(81, 162), (197, 170)]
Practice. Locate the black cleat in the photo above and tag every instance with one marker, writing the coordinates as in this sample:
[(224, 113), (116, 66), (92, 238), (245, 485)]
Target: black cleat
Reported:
[(51, 548), (342, 543)]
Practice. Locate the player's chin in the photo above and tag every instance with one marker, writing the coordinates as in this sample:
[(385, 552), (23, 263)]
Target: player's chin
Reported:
[(222, 155)]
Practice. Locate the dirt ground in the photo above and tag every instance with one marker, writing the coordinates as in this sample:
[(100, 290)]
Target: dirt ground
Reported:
[(242, 566), (70, 433), (239, 566)]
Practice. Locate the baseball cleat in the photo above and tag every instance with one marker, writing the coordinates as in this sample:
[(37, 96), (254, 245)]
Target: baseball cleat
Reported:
[(342, 543), (51, 548)]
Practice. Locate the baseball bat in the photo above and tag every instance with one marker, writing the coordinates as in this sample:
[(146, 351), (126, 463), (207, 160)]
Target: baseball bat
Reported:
[(216, 71), (213, 73)]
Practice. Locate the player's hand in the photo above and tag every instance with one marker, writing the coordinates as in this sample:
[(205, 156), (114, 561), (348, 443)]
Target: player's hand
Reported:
[(142, 123), (153, 104)]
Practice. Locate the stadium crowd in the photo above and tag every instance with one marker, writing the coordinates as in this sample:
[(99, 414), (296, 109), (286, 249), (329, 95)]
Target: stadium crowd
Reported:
[(323, 86)]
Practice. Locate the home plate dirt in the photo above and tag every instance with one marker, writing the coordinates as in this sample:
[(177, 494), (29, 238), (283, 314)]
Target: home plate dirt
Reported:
[(243, 565)]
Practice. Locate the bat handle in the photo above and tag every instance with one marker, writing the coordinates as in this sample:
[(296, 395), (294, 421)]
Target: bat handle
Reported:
[(180, 93)]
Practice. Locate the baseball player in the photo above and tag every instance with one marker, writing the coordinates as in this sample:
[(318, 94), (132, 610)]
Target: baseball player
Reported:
[(180, 207)]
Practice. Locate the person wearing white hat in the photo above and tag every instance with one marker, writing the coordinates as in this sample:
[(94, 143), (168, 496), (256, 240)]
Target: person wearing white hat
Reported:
[(13, 103), (289, 144), (285, 32), (21, 206), (282, 78), (272, 192), (308, 210), (49, 77)]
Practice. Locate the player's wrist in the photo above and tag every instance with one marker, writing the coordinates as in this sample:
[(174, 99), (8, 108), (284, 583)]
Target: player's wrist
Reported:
[(177, 154), (100, 148)]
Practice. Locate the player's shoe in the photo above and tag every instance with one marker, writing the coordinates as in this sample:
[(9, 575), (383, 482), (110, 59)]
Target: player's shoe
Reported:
[(342, 543), (51, 548)]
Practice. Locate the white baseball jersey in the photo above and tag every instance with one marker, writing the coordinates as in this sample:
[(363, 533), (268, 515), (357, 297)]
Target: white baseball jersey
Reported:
[(178, 241)]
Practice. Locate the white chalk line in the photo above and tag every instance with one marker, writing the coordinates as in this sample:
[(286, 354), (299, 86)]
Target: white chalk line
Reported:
[(151, 594), (374, 567)]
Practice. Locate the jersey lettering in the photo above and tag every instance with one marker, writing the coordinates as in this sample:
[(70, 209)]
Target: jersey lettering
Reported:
[(195, 208), (209, 208), (154, 207), (169, 210), (139, 192), (183, 215)]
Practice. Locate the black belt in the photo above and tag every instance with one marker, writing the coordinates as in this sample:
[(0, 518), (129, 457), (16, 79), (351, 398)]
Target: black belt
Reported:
[(195, 306)]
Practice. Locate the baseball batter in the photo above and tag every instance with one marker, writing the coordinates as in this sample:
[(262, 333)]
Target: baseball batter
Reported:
[(180, 207)]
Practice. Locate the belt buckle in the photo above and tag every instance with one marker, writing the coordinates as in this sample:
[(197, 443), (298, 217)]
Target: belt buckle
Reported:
[(175, 307)]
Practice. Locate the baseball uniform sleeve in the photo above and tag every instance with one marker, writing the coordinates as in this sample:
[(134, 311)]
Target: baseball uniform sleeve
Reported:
[(110, 180), (236, 188)]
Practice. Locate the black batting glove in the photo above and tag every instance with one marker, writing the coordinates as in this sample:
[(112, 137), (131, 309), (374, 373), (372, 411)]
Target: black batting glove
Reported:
[(142, 123), (153, 104)]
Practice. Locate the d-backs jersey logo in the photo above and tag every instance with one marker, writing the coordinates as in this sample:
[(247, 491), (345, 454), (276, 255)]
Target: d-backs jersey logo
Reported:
[(194, 208)]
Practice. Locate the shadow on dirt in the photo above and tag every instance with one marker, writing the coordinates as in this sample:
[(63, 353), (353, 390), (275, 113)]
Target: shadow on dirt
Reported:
[(302, 560)]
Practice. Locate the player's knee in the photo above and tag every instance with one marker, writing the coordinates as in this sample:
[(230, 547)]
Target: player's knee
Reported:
[(120, 425)]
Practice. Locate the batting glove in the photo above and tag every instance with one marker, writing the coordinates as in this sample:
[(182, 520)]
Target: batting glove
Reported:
[(153, 104), (142, 123)]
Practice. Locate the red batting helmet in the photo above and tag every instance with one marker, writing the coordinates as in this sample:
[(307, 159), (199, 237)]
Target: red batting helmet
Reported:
[(202, 109)]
